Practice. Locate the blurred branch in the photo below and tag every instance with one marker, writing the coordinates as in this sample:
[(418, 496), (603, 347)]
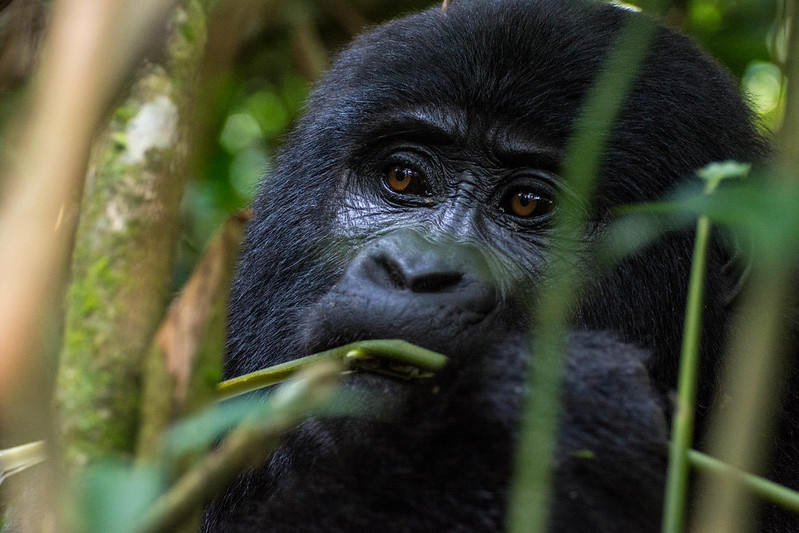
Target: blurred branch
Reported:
[(737, 433), (309, 52), (245, 446), (125, 246), (44, 179), (345, 15), (531, 487), (186, 357)]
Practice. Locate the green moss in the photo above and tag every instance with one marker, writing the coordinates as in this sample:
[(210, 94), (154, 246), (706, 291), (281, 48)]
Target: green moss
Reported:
[(125, 113), (88, 291), (158, 160), (188, 33), (120, 140), (74, 340), (101, 429), (100, 272)]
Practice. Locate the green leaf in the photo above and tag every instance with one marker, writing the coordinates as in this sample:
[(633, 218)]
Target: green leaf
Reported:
[(714, 173), (112, 496)]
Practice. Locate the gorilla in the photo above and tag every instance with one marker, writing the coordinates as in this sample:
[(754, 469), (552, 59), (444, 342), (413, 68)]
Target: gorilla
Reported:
[(415, 200)]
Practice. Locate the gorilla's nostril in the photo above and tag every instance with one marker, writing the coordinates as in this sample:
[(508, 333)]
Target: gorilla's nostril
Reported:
[(393, 272), (419, 278), (435, 281)]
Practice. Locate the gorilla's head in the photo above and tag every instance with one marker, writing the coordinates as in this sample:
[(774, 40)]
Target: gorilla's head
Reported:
[(414, 200)]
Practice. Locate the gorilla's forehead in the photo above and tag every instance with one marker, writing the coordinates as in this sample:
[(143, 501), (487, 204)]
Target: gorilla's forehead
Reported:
[(525, 60)]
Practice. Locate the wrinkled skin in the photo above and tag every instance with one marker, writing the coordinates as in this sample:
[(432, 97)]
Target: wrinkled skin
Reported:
[(401, 208)]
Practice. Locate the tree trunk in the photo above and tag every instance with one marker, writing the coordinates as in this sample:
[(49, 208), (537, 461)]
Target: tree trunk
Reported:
[(125, 248)]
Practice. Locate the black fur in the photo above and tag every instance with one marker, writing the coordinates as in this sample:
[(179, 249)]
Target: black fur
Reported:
[(333, 256)]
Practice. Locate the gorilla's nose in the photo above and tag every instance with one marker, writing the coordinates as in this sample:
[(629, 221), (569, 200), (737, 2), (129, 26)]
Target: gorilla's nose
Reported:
[(406, 261), (434, 293)]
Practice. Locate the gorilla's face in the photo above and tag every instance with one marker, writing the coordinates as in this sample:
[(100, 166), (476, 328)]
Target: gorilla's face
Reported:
[(442, 225), (415, 201)]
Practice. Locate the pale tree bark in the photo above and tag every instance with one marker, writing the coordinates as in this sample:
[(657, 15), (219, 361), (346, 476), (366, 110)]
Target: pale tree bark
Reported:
[(124, 249)]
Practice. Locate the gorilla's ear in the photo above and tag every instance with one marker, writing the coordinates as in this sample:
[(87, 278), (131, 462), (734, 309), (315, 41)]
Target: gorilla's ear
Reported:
[(736, 266)]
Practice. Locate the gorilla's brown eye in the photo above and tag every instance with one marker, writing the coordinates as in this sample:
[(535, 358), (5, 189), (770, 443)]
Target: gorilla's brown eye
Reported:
[(525, 203), (399, 179), (405, 180)]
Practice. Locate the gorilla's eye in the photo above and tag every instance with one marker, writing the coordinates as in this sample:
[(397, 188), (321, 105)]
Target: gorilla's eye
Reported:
[(399, 178), (525, 203), (405, 180)]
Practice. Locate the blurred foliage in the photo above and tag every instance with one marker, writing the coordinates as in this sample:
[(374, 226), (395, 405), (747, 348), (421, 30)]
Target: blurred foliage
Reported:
[(736, 32)]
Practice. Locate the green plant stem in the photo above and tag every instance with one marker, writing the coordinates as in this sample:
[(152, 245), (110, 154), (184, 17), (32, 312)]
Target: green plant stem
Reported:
[(530, 496), (765, 489), (13, 460), (683, 428), (395, 350)]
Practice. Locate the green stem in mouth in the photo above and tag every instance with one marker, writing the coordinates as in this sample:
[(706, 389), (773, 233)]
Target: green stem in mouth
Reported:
[(393, 351)]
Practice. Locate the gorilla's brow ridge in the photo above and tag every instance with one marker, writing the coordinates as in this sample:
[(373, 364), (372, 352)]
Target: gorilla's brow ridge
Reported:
[(447, 127), (517, 149), (422, 125)]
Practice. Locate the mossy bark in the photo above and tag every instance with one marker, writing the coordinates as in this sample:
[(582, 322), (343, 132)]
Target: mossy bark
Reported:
[(124, 249)]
